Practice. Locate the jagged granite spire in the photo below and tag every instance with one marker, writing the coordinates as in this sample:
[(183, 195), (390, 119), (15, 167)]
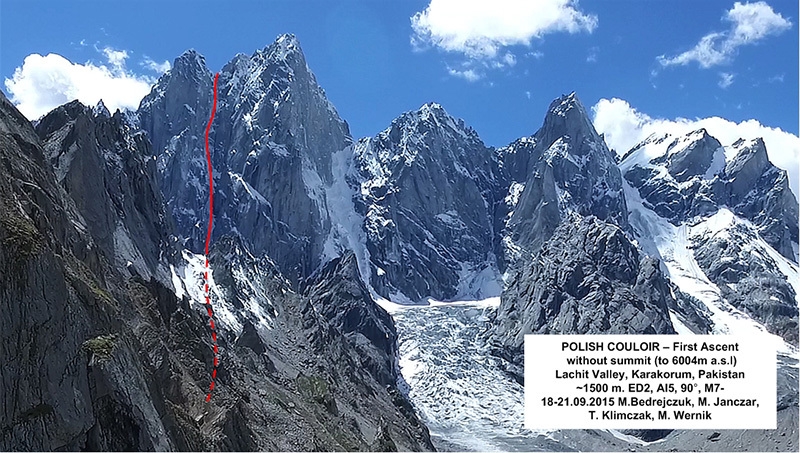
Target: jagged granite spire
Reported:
[(272, 140), (426, 189), (569, 170)]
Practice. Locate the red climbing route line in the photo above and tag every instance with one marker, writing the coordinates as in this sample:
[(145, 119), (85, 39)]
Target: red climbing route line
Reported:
[(208, 241), (210, 169)]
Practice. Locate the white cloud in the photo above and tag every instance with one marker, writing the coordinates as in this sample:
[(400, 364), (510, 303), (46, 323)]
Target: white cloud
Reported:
[(155, 66), (776, 79), (481, 30), (725, 79), (754, 21), (470, 75), (708, 52), (45, 82), (624, 127), (116, 58), (592, 57), (749, 23)]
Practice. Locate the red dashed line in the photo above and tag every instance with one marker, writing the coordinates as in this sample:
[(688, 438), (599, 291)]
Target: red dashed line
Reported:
[(208, 240)]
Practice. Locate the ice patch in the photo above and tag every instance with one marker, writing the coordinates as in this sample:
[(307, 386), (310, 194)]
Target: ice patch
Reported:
[(454, 383), (514, 192), (194, 284), (717, 164), (680, 327), (479, 281), (724, 219), (176, 283), (238, 181), (659, 238), (347, 232)]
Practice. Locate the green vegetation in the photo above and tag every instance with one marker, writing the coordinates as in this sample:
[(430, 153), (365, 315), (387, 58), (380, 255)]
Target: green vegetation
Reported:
[(101, 346), (82, 279), (313, 387), (21, 237)]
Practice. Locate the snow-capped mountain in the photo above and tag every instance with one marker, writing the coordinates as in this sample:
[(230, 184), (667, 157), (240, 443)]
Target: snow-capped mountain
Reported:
[(693, 175), (568, 169), (427, 190), (273, 138), (573, 267), (315, 234), (731, 216), (109, 324)]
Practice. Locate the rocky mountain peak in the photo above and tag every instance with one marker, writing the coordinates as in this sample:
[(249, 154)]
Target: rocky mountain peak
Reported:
[(694, 154), (427, 188), (563, 105), (101, 110), (284, 51), (751, 156), (569, 170), (189, 62), (271, 143), (567, 117), (430, 118), (180, 99), (432, 108), (285, 45), (62, 115)]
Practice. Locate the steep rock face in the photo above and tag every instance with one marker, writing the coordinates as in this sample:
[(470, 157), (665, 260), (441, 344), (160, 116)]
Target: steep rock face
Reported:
[(174, 115), (588, 278), (102, 357), (179, 102), (569, 170), (426, 189), (758, 191), (340, 295), (749, 276), (272, 140), (105, 165), (291, 379), (32, 228), (67, 333)]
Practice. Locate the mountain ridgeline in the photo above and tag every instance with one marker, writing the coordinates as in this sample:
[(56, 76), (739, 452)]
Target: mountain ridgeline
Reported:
[(105, 220)]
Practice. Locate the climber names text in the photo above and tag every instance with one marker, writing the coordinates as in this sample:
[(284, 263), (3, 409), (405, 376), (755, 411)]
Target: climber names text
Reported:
[(649, 382)]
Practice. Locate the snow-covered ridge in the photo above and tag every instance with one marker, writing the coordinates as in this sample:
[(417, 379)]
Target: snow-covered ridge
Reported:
[(674, 246)]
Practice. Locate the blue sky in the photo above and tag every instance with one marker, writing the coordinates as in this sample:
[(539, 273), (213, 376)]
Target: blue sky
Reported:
[(634, 62)]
